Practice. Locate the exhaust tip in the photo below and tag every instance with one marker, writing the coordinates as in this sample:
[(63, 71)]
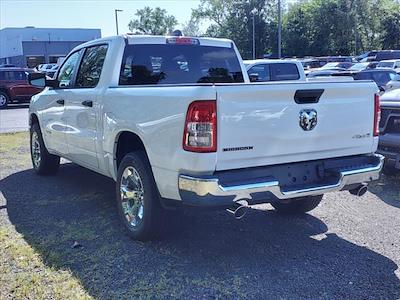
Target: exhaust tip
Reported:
[(239, 209), (362, 191), (359, 191)]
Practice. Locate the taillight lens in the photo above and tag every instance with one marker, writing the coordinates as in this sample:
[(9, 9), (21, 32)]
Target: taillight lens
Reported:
[(200, 134), (377, 115)]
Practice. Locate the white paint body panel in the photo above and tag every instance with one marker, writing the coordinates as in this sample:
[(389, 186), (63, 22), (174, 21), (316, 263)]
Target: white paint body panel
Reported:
[(262, 115)]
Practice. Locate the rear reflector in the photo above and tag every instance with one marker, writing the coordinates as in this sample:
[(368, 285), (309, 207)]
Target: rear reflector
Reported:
[(377, 115), (200, 134)]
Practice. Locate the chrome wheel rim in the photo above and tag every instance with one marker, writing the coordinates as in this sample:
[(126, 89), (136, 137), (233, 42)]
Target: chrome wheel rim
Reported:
[(3, 100), (132, 195), (35, 150)]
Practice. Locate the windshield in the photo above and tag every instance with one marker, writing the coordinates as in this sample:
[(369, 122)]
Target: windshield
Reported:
[(175, 64), (358, 67), (385, 64), (381, 78), (330, 65)]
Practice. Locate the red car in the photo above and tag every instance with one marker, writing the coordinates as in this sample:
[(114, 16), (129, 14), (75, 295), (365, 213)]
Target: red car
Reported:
[(14, 86)]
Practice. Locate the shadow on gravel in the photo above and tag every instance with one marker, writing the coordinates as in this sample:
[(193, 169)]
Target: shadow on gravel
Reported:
[(388, 189), (205, 255)]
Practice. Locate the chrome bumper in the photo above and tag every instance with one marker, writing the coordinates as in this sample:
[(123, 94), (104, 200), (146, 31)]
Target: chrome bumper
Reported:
[(194, 189)]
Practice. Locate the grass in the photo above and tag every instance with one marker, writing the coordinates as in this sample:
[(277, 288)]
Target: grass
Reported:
[(23, 272), (14, 148), (41, 217), (24, 275)]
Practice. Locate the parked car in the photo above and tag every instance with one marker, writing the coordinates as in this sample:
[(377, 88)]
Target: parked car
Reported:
[(328, 59), (390, 64), (175, 121), (393, 84), (367, 55), (274, 70), (311, 63), (14, 86), (44, 67), (52, 71), (357, 67), (387, 54), (380, 76), (389, 139), (337, 66), (325, 73)]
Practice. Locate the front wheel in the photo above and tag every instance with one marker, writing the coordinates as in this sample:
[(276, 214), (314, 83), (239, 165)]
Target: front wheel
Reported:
[(4, 99), (137, 197), (43, 162), (299, 205)]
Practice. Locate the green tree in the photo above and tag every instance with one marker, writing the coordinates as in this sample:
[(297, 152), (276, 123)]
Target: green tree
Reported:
[(191, 28), (234, 19), (152, 21), (329, 27), (391, 29)]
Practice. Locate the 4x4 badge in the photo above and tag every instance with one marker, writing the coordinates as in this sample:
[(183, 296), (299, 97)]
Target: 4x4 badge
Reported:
[(308, 119)]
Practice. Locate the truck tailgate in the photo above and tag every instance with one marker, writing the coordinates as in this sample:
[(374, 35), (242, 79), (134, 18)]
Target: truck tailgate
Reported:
[(259, 124)]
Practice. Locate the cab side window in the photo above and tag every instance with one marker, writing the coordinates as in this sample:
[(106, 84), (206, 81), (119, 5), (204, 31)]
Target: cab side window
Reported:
[(90, 69), (262, 71), (284, 71), (68, 69)]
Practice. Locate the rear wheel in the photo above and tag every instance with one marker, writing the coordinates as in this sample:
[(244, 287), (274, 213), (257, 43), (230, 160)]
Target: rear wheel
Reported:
[(43, 162), (298, 205), (138, 201), (4, 99)]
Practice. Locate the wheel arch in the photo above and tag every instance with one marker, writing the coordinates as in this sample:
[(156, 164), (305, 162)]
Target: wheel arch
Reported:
[(4, 90), (125, 142), (33, 119)]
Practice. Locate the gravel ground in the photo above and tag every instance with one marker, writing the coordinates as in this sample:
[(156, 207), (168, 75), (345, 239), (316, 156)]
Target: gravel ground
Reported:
[(14, 119), (347, 248)]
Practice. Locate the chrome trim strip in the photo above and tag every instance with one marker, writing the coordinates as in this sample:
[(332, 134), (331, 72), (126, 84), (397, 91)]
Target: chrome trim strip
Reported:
[(211, 186)]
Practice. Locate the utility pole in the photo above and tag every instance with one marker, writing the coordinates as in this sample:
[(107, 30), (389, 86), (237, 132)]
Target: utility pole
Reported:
[(116, 18), (279, 29), (253, 12), (355, 31)]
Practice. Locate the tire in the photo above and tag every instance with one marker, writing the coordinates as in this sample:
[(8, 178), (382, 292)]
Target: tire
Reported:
[(138, 201), (390, 171), (43, 162), (298, 205), (4, 100)]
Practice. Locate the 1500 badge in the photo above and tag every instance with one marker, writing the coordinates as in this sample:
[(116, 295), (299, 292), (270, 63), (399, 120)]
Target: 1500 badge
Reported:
[(361, 136)]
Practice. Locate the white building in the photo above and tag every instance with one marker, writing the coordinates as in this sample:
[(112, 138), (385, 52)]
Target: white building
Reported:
[(31, 46)]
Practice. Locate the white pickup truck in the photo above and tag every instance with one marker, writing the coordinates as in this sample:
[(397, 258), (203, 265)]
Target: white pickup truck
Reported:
[(175, 121)]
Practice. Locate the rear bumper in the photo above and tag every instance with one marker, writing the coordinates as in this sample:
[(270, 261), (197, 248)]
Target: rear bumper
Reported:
[(339, 174)]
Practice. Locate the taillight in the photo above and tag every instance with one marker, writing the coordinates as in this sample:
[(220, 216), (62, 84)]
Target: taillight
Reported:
[(200, 134), (377, 115)]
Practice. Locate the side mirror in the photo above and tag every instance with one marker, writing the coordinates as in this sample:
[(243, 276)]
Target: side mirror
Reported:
[(40, 80), (253, 77)]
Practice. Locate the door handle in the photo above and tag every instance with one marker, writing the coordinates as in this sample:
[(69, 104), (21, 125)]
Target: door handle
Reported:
[(87, 103), (60, 101)]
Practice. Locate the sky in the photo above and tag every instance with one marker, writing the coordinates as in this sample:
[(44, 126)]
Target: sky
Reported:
[(85, 13)]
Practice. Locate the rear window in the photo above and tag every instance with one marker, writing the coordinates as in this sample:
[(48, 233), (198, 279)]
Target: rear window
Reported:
[(173, 64), (284, 71)]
